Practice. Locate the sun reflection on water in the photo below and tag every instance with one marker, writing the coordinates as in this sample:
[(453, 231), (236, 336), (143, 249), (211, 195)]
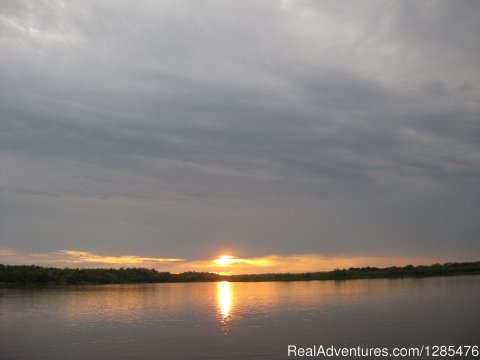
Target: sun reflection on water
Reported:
[(224, 299)]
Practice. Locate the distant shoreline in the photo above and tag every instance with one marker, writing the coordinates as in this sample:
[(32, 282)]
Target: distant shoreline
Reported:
[(38, 275)]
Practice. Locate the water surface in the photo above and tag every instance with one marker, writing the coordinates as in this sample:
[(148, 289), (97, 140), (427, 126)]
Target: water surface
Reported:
[(234, 320)]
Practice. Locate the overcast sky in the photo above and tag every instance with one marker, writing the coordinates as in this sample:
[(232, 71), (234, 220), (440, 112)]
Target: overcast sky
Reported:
[(189, 129)]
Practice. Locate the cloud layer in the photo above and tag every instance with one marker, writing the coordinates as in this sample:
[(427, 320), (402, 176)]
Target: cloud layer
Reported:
[(184, 130)]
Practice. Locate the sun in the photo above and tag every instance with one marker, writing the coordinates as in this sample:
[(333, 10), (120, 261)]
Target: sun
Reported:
[(224, 260)]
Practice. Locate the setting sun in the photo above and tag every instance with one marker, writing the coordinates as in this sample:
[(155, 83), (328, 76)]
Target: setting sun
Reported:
[(241, 264), (224, 260)]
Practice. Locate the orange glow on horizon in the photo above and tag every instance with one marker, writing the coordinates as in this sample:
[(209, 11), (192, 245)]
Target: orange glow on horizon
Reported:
[(224, 264)]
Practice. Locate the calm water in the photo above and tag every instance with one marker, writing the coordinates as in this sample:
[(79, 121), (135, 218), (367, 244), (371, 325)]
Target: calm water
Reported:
[(234, 320)]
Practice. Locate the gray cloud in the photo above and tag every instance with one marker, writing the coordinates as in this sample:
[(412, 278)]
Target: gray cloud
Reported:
[(260, 127)]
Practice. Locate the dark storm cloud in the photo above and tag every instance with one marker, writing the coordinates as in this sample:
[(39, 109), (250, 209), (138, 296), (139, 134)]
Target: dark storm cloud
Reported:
[(276, 126)]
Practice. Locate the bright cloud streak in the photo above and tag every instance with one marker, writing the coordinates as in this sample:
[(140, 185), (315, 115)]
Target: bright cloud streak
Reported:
[(86, 257), (228, 260), (78, 258)]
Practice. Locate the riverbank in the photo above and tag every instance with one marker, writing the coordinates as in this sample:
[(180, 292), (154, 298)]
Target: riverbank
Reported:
[(32, 274)]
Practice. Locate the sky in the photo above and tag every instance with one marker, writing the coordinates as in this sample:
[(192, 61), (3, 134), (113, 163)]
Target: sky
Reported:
[(290, 135)]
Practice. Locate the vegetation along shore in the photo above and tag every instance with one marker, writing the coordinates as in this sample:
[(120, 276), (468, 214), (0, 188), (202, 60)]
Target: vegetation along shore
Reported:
[(31, 274)]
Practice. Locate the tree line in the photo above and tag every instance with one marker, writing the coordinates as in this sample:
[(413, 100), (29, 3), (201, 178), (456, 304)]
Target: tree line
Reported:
[(32, 274)]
